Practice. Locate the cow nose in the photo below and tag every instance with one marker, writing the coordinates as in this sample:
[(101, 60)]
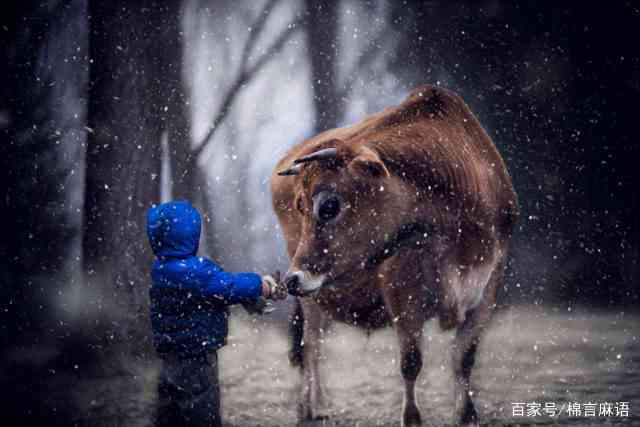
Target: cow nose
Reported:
[(292, 281)]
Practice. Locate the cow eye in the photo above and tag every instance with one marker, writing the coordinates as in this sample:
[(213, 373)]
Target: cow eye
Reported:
[(327, 207), (300, 204)]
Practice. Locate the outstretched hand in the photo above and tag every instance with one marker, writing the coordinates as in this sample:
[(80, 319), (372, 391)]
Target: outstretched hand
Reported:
[(272, 288)]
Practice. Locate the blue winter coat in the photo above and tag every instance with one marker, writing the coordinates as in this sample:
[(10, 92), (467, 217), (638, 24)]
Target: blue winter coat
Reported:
[(189, 294)]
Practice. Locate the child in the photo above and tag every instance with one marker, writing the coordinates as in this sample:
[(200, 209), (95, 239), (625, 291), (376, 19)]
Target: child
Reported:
[(189, 299)]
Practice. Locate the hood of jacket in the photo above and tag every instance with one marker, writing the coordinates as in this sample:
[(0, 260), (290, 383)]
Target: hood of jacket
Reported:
[(173, 229)]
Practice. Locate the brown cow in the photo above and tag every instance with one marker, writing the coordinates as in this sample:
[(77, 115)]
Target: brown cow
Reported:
[(401, 217)]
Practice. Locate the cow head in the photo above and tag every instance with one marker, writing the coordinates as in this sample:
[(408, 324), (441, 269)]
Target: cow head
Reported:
[(347, 210)]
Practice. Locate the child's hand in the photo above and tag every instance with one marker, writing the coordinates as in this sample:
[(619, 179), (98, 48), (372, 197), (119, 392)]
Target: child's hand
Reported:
[(272, 289)]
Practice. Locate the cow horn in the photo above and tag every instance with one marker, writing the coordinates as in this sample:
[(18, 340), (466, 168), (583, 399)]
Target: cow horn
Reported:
[(324, 154), (293, 170)]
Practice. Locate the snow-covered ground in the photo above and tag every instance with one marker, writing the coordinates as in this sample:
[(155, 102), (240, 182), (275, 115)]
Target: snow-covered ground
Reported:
[(528, 356)]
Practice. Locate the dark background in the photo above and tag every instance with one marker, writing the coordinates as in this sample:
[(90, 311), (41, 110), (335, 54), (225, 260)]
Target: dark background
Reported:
[(95, 109)]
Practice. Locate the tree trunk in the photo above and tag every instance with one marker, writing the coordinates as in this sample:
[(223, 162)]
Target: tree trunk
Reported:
[(201, 196), (37, 234), (36, 128), (322, 42), (127, 113), (187, 181), (183, 162)]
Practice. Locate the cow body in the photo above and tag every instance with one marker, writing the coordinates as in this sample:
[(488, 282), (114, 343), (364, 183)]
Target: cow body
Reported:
[(401, 217)]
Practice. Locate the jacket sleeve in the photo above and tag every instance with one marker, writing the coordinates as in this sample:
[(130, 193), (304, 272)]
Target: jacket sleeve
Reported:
[(233, 288)]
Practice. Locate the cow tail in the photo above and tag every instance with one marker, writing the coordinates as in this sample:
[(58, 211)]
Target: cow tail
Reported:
[(296, 329)]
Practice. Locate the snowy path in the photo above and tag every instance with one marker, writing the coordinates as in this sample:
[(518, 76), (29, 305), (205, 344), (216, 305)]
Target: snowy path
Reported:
[(527, 356)]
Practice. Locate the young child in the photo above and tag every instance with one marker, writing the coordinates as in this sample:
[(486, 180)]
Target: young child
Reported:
[(189, 299)]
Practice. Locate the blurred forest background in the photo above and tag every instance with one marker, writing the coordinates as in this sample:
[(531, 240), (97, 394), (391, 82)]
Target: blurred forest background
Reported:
[(108, 107)]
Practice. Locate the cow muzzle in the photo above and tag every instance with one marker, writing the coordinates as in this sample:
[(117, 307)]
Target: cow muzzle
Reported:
[(301, 283)]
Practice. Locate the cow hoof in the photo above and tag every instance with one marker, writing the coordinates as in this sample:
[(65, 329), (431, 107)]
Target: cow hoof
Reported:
[(317, 417), (411, 416), (469, 417), (316, 421), (307, 414)]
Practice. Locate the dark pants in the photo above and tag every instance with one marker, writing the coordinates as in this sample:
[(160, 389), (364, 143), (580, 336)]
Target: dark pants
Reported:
[(188, 392)]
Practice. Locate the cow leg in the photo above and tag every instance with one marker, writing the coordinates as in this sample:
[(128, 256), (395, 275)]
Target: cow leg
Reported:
[(465, 346), (464, 352), (408, 308), (312, 404), (296, 331), (410, 339)]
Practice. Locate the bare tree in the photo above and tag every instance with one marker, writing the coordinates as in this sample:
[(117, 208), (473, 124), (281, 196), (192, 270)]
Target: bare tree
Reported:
[(131, 81), (189, 180), (332, 76), (35, 133), (322, 41)]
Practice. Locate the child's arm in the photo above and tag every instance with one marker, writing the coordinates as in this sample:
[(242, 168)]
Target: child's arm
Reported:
[(233, 288)]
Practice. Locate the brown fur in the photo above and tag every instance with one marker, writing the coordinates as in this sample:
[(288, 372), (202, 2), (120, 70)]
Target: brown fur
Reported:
[(426, 164)]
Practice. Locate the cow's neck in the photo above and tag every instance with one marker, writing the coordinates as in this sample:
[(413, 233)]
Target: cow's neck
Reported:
[(402, 237)]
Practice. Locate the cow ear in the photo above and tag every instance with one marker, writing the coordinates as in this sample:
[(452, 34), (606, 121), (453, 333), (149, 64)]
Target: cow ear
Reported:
[(368, 163)]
